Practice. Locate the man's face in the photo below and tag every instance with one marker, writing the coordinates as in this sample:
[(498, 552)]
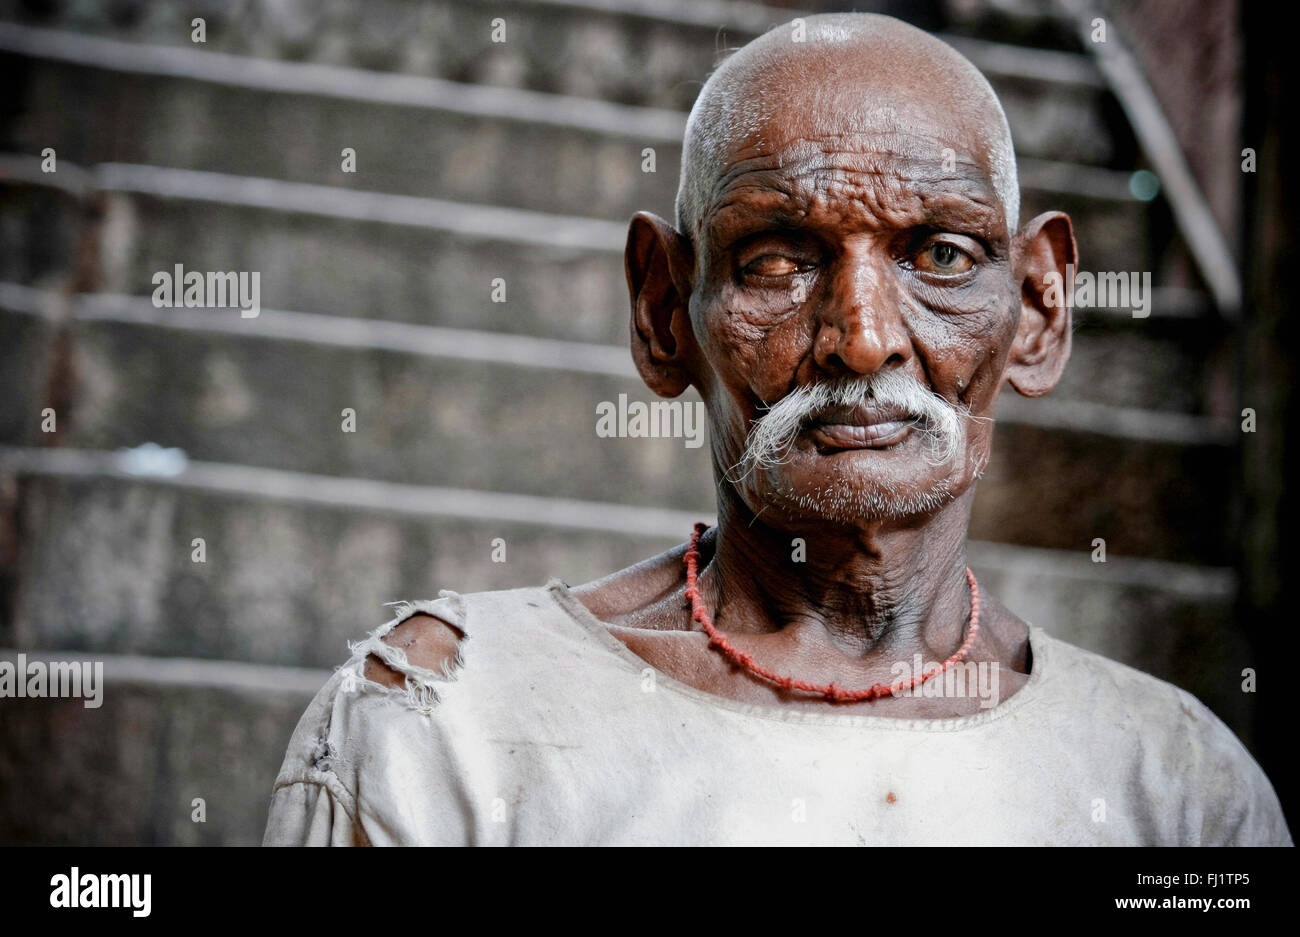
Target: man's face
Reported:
[(835, 250)]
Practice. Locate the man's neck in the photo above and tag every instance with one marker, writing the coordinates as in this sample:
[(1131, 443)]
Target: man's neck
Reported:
[(884, 588)]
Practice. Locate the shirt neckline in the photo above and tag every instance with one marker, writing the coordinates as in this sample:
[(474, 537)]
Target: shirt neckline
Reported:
[(1040, 651)]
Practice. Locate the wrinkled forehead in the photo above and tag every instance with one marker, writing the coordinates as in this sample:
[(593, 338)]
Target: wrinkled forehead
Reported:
[(926, 121), (850, 181)]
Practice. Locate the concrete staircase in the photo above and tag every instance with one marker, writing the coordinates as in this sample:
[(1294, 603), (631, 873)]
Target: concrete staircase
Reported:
[(476, 160)]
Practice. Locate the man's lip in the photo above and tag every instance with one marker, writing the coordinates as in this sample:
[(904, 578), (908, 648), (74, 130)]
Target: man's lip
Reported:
[(865, 426), (858, 436)]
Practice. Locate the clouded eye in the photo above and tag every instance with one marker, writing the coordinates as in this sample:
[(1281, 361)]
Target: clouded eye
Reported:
[(772, 265), (944, 259)]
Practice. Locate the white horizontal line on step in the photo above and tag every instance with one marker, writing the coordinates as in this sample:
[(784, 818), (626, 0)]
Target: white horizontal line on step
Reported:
[(188, 671), (464, 219), (468, 220), (1208, 582), (1082, 416), (362, 493), (525, 351)]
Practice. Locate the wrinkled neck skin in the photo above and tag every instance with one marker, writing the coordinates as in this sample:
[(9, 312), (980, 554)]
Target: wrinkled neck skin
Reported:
[(880, 589)]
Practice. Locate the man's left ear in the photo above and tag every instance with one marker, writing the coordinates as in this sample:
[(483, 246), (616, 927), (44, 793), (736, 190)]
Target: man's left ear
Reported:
[(1043, 250)]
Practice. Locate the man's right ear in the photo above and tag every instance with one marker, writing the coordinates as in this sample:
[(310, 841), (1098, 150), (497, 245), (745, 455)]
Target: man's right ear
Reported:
[(660, 266)]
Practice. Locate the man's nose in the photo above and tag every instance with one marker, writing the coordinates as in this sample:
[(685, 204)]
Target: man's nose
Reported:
[(862, 328)]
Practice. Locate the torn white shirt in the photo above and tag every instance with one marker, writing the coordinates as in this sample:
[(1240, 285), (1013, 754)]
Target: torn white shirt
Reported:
[(554, 732)]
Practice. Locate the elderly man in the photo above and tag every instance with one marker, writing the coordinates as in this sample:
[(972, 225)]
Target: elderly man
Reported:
[(849, 290)]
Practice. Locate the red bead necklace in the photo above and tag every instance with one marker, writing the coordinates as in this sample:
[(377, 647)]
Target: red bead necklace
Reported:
[(830, 691)]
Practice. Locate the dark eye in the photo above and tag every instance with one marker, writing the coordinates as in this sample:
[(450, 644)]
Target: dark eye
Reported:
[(772, 265), (943, 258)]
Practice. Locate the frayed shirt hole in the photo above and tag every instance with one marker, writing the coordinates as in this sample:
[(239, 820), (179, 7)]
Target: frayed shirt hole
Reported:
[(379, 672), (425, 641)]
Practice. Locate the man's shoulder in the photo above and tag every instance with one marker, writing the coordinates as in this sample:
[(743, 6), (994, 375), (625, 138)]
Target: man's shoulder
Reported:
[(1171, 738), (1109, 689), (406, 667), (1098, 673)]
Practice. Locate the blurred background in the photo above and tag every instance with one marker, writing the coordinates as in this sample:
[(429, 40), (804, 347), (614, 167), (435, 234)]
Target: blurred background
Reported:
[(182, 435)]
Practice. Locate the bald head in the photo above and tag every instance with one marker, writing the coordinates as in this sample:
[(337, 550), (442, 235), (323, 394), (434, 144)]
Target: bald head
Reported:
[(863, 76)]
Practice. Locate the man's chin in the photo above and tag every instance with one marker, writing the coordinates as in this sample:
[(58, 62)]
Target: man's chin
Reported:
[(853, 485)]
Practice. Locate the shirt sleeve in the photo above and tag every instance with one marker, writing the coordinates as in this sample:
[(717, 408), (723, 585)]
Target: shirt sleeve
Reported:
[(308, 813), (310, 804), (361, 735)]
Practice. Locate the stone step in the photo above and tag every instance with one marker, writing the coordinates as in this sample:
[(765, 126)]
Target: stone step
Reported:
[(442, 152), (1056, 101), (393, 258), (418, 419), (1161, 363), (375, 255), (128, 772), (231, 395), (515, 148), (1165, 365), (296, 566)]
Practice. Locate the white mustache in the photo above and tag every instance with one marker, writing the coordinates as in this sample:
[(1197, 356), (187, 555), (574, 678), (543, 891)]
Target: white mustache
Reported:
[(772, 435)]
